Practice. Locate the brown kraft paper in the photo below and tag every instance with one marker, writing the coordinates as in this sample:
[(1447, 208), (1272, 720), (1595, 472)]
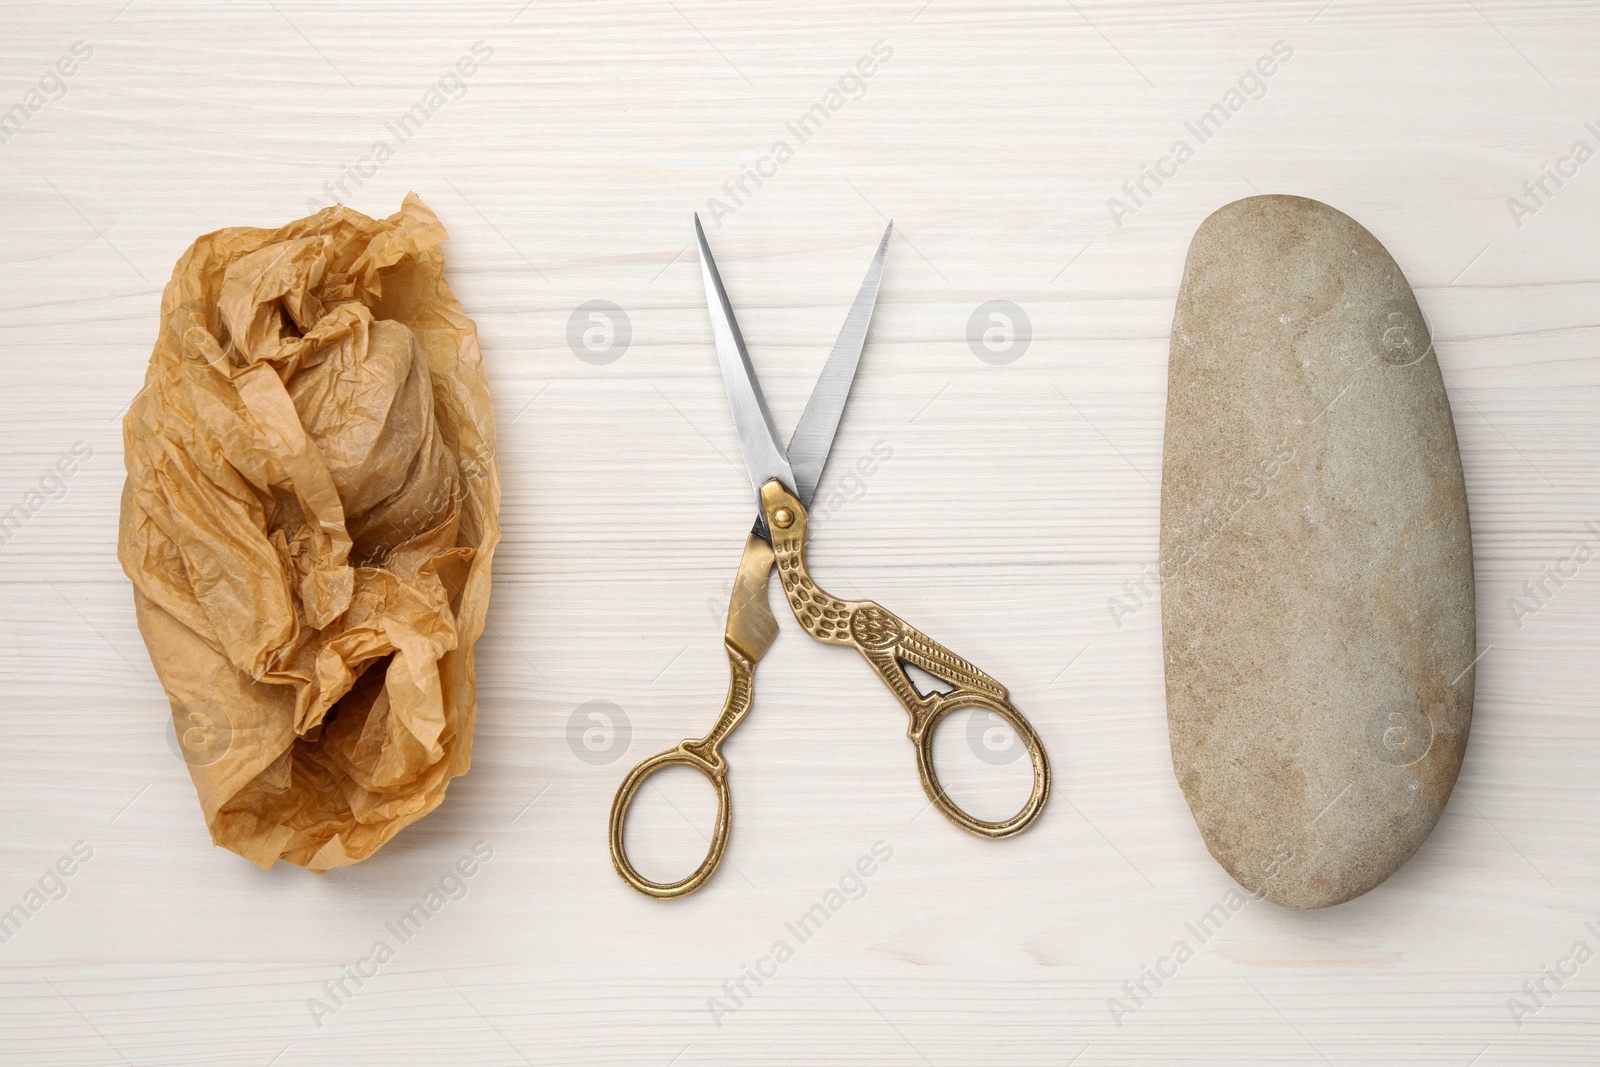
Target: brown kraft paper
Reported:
[(308, 520)]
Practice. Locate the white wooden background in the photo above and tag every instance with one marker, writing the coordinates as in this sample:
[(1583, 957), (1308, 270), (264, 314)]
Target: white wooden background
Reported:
[(1018, 499)]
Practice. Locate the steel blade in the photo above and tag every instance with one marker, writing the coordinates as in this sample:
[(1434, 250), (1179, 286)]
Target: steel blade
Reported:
[(813, 435), (764, 457)]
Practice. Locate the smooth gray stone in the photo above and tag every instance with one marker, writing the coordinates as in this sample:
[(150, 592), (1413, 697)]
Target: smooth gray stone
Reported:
[(1316, 560)]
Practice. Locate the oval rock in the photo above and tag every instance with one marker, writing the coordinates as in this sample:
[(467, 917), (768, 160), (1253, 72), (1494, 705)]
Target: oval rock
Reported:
[(1316, 559)]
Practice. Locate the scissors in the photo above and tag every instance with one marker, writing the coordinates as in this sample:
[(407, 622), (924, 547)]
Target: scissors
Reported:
[(785, 480)]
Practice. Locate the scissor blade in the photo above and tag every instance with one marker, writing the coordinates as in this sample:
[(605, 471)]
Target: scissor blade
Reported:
[(813, 435), (758, 440)]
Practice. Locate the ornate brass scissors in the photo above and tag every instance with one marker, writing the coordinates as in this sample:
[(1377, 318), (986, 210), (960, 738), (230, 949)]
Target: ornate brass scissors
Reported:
[(784, 480)]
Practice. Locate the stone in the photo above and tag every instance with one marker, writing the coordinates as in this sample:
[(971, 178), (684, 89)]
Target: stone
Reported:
[(1316, 560)]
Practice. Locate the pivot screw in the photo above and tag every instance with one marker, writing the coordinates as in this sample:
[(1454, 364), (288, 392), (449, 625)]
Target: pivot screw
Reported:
[(783, 518)]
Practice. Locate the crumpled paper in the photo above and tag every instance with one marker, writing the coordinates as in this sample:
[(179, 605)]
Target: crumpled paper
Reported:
[(309, 516)]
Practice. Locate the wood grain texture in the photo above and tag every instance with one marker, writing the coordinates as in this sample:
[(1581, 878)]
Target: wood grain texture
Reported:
[(566, 171)]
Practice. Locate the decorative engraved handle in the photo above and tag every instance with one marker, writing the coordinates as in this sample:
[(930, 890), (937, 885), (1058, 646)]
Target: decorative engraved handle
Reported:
[(705, 756), (888, 642)]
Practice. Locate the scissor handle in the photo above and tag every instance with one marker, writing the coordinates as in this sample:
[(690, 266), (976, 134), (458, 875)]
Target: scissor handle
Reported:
[(889, 643), (705, 756), (924, 721)]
